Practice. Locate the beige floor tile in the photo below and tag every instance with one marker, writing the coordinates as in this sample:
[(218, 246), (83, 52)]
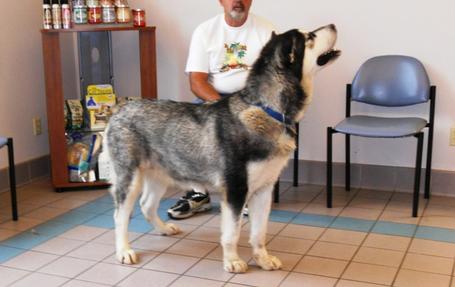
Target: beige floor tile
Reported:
[(40, 280), (375, 194), (390, 242), (154, 242), (438, 221), (192, 248), (209, 269), (108, 274), (379, 256), (67, 267), (186, 281), (258, 277), (273, 228), (368, 203), (92, 251), (343, 236), (299, 280), (205, 234), (7, 233), (302, 231), (148, 278), (348, 283), (429, 247), (108, 237), (409, 278), (21, 225), (67, 203), (290, 245), (321, 266), (79, 283), (44, 213), (439, 210), (289, 205), (83, 233), (30, 260), (171, 263), (9, 275), (361, 213), (405, 206), (370, 273), (333, 250), (59, 246), (321, 208), (426, 263), (398, 217)]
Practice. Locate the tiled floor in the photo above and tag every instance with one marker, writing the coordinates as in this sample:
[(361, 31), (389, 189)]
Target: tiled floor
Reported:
[(367, 239)]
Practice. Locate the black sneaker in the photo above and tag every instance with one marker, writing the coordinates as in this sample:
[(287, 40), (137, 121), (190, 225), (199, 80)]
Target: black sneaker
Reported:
[(190, 204)]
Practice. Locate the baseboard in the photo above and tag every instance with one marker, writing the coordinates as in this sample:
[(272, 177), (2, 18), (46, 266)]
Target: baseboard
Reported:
[(372, 177), (26, 172)]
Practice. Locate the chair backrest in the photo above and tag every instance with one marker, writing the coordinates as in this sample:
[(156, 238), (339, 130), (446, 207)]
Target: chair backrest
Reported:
[(391, 81)]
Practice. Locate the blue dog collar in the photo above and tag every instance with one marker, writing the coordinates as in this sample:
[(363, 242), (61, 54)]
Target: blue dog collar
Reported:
[(276, 115)]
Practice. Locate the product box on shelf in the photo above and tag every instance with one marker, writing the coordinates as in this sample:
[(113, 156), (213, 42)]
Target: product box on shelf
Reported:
[(99, 102)]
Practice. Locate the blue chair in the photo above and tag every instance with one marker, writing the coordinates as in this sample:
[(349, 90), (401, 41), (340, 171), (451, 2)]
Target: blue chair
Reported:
[(12, 173), (388, 81)]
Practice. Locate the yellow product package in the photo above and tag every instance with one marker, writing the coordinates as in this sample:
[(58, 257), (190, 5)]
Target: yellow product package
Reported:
[(99, 108)]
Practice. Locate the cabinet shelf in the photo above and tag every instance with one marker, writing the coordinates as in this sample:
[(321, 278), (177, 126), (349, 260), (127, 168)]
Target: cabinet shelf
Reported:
[(55, 97)]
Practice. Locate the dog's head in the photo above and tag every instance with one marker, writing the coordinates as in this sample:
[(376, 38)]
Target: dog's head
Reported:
[(319, 49)]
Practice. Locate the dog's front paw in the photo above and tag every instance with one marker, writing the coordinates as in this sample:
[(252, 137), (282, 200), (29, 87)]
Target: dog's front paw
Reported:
[(268, 262), (235, 265), (170, 229), (127, 256)]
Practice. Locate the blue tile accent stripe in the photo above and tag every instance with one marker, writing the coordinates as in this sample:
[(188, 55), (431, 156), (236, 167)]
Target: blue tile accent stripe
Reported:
[(98, 213)]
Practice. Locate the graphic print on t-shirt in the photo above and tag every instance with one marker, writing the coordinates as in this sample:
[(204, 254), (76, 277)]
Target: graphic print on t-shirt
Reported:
[(233, 57)]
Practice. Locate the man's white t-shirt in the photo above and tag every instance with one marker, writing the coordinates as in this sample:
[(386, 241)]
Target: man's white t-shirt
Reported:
[(227, 53)]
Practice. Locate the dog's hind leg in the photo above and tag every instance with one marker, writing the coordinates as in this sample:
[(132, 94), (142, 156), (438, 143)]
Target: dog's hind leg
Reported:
[(259, 206), (231, 222), (125, 190), (150, 201)]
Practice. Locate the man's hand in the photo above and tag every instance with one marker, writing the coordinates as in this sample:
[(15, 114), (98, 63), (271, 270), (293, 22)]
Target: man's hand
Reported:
[(201, 87)]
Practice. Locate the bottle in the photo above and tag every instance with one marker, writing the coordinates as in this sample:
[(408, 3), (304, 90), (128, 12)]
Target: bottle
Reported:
[(47, 15), (56, 14), (66, 15)]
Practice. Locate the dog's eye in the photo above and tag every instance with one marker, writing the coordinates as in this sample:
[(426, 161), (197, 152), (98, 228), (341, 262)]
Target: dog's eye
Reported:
[(311, 36)]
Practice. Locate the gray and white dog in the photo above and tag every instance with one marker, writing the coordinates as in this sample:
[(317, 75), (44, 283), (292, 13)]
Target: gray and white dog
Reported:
[(237, 146)]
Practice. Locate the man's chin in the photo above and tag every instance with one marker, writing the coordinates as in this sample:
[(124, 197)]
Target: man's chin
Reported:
[(237, 15)]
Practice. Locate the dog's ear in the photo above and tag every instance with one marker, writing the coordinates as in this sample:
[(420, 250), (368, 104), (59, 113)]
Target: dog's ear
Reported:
[(297, 54), (293, 50)]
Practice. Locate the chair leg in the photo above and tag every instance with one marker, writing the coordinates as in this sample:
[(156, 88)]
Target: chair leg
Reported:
[(276, 192), (348, 163), (329, 167), (418, 167), (296, 156), (12, 178), (428, 165)]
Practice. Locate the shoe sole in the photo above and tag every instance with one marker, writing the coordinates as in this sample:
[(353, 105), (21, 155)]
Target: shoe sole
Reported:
[(202, 208)]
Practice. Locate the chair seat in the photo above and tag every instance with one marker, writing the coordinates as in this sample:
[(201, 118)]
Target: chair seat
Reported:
[(379, 127), (3, 141)]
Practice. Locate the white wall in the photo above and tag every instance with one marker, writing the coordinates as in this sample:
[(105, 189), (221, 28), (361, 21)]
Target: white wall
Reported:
[(366, 29), (21, 79), (418, 28)]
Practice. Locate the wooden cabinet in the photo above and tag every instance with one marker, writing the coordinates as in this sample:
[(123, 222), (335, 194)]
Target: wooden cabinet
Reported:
[(55, 98)]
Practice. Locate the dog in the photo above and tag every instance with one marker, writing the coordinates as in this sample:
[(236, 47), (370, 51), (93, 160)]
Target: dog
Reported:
[(237, 145)]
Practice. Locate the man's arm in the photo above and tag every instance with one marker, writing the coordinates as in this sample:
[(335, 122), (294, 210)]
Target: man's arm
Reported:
[(201, 87)]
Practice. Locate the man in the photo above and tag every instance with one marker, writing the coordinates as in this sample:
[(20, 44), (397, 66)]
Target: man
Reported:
[(222, 51)]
